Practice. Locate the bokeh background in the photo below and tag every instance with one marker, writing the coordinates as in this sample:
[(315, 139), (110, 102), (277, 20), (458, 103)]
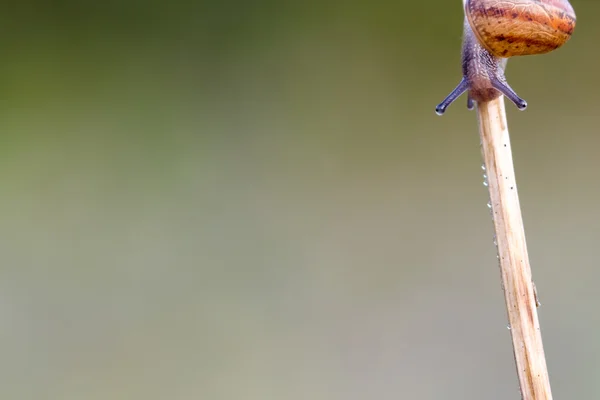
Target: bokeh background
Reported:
[(255, 200)]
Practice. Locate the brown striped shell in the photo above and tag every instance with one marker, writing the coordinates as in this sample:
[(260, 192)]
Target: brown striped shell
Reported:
[(520, 27)]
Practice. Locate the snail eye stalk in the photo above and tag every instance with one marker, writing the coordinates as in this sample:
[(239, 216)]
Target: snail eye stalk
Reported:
[(510, 94), (462, 87)]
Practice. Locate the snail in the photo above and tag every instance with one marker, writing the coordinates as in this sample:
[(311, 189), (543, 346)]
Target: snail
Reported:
[(495, 30)]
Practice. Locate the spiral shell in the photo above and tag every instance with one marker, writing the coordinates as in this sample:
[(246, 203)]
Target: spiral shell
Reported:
[(508, 28)]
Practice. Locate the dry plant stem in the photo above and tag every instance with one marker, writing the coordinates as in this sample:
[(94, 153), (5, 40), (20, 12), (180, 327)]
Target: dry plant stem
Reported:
[(519, 291)]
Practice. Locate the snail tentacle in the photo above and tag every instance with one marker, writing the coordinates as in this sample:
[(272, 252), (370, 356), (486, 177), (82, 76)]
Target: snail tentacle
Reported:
[(462, 87), (470, 103), (506, 90)]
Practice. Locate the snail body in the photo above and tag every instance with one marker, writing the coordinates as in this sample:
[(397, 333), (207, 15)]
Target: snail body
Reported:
[(495, 30)]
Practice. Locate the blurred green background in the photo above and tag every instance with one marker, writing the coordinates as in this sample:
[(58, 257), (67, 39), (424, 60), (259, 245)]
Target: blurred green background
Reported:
[(256, 200)]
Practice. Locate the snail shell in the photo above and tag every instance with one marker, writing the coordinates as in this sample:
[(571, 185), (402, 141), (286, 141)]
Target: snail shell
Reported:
[(508, 28)]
